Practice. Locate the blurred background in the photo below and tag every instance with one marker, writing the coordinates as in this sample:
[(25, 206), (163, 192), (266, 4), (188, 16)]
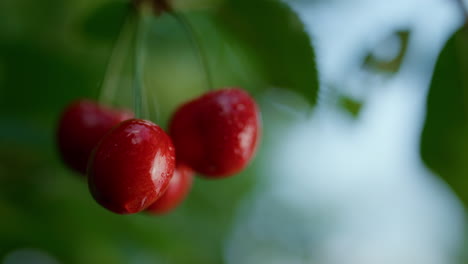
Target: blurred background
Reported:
[(353, 165)]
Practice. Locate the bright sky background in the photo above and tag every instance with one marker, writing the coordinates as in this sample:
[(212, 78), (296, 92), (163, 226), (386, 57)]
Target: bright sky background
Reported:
[(356, 192)]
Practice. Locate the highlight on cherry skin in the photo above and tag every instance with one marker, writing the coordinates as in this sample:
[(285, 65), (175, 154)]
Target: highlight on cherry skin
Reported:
[(178, 189), (82, 125), (131, 167), (217, 134)]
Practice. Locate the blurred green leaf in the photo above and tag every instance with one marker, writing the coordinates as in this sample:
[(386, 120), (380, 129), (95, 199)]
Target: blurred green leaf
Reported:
[(33, 72), (444, 141), (350, 105), (106, 21), (392, 65), (273, 34)]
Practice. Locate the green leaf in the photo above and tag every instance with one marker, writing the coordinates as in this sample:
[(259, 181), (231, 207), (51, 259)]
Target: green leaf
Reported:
[(444, 141), (350, 105), (106, 21), (373, 61), (273, 34)]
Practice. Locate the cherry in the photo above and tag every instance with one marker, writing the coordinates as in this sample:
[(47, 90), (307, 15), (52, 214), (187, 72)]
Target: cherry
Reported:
[(178, 189), (82, 125), (217, 133), (131, 167)]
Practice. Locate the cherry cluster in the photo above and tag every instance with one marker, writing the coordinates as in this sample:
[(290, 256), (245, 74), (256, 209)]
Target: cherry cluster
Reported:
[(133, 165)]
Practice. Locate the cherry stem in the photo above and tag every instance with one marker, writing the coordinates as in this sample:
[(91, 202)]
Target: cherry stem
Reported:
[(116, 62), (464, 9), (196, 44), (138, 83), (142, 57)]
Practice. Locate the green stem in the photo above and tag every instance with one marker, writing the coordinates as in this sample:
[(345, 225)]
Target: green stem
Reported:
[(196, 44), (137, 66), (116, 62), (142, 55)]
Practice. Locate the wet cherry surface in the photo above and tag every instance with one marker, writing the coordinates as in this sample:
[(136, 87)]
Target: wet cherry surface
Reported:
[(217, 134), (81, 127), (178, 189), (131, 167)]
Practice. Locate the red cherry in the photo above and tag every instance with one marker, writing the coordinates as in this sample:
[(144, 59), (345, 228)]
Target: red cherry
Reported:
[(131, 167), (82, 125), (178, 189), (217, 133)]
